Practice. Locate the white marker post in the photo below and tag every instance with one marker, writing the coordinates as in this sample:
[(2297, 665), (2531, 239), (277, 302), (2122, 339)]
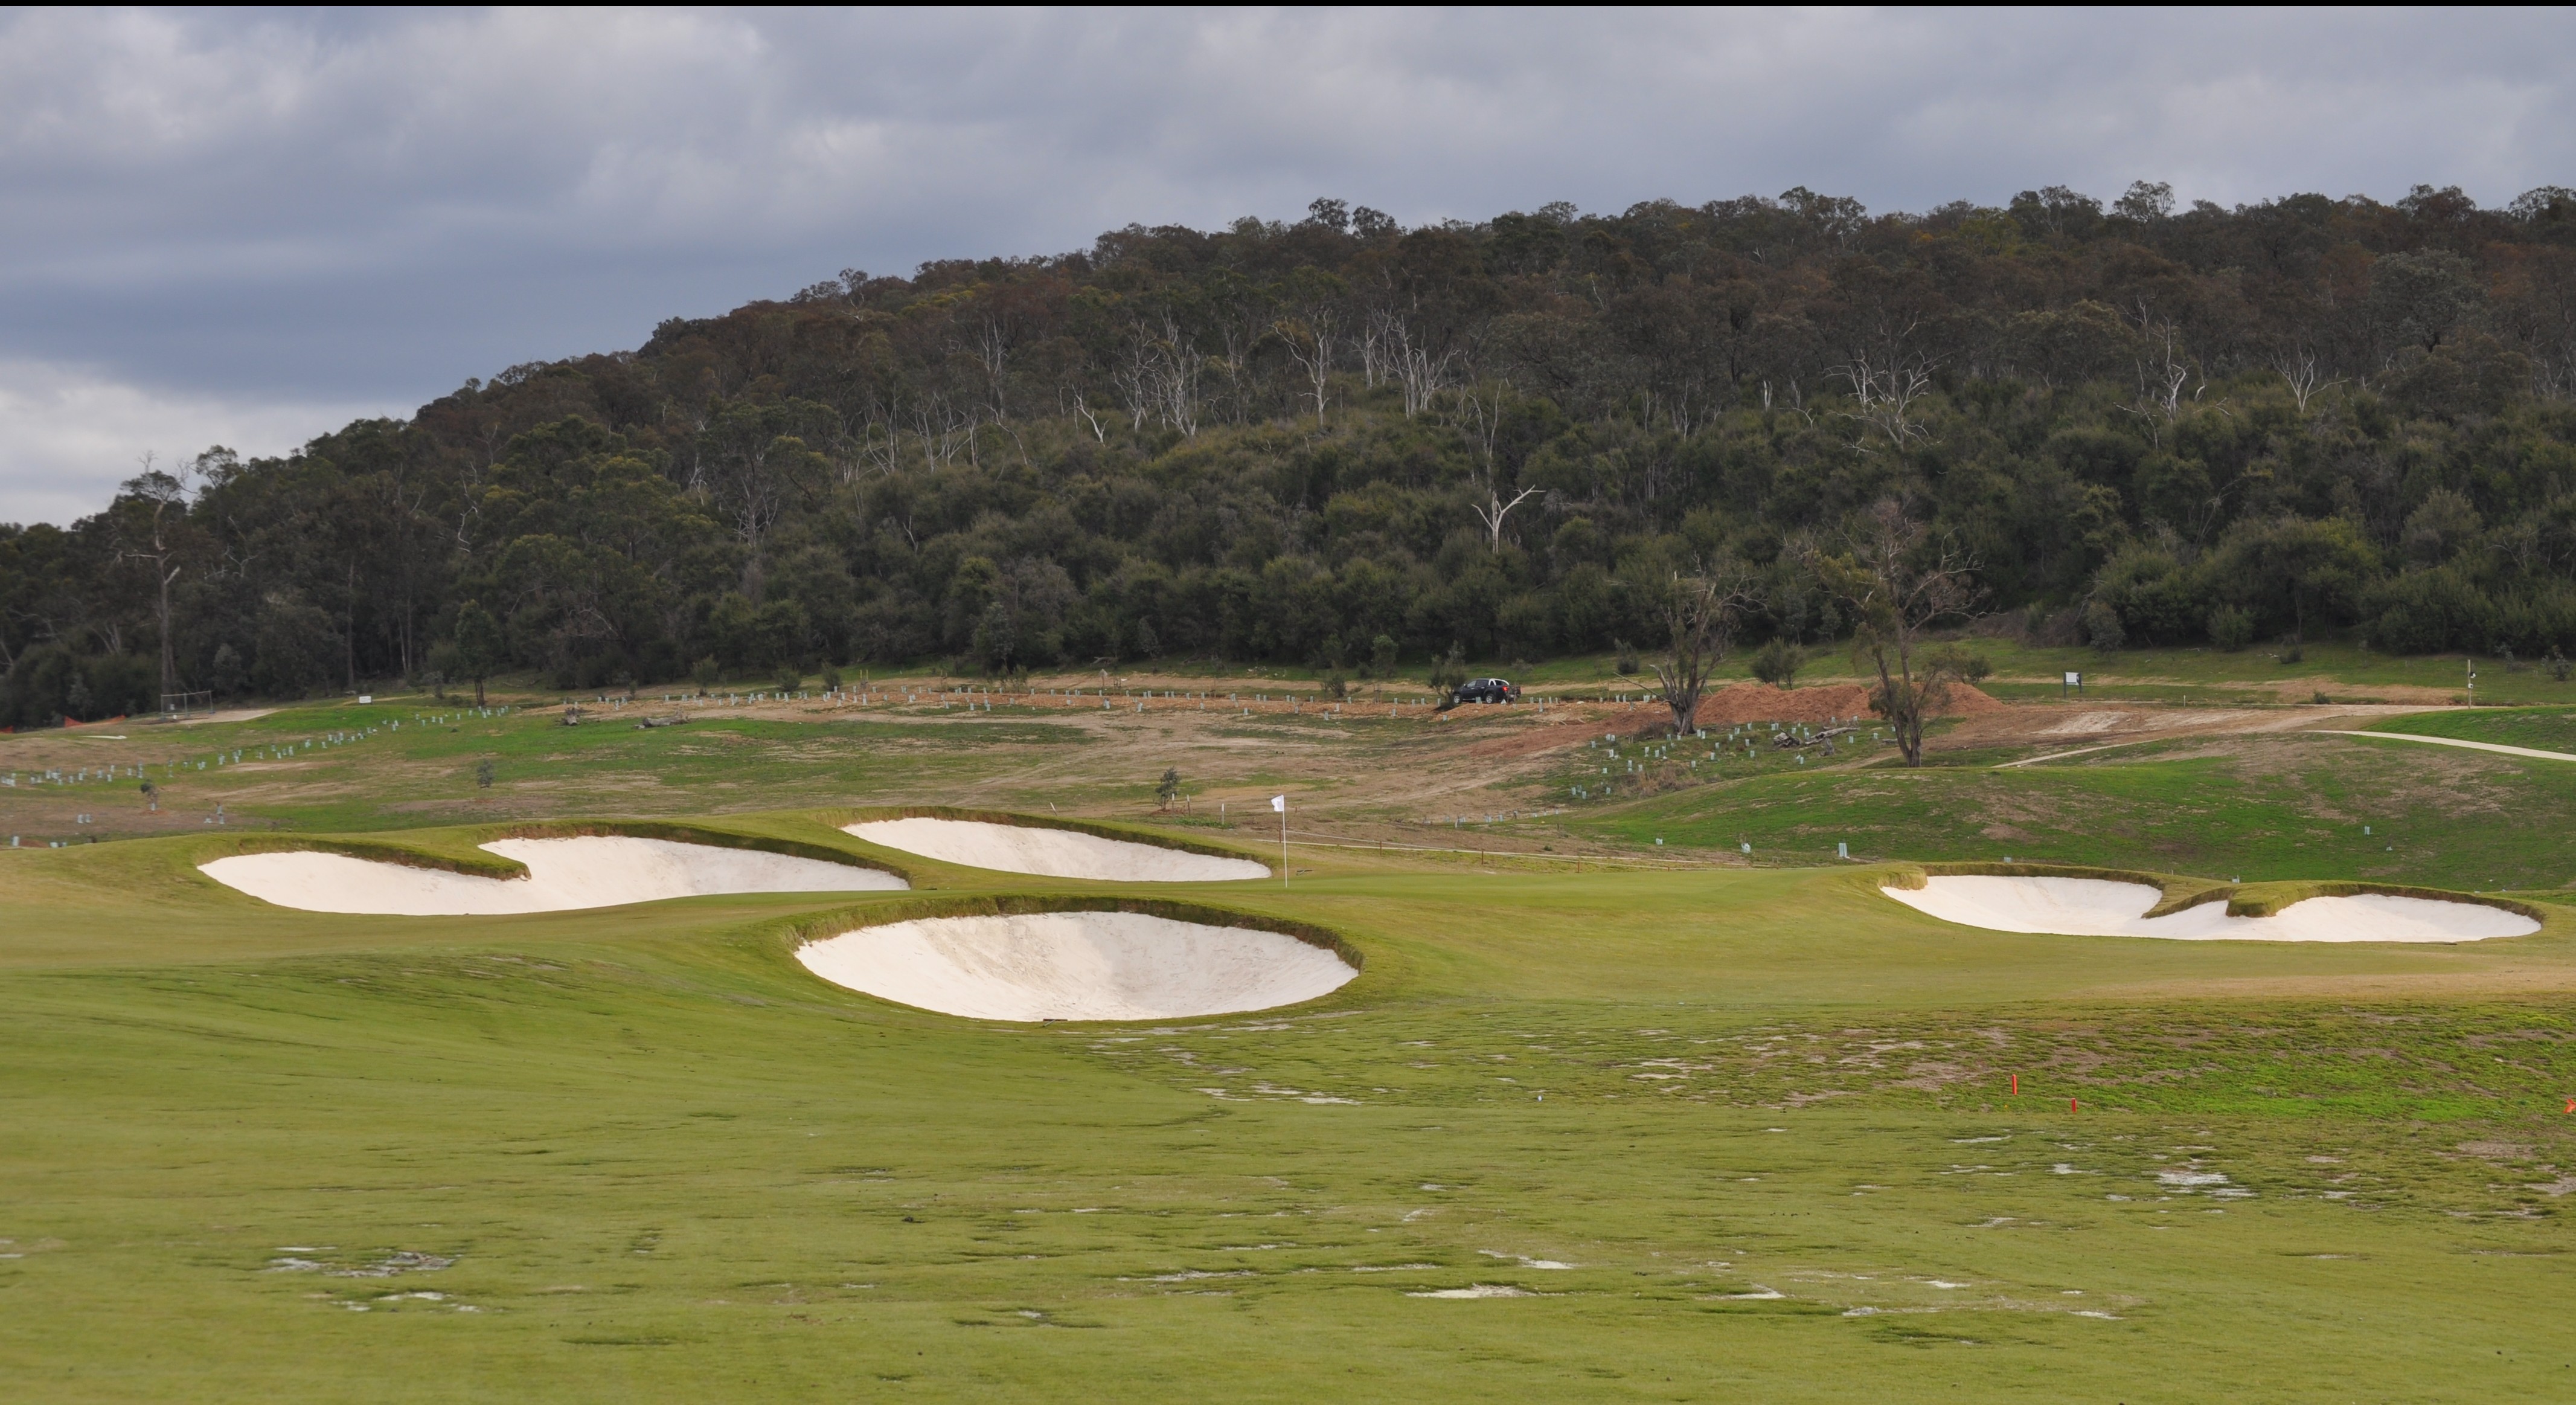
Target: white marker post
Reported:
[(1280, 803)]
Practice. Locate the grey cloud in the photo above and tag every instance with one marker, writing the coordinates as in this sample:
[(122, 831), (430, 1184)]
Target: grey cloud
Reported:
[(270, 209)]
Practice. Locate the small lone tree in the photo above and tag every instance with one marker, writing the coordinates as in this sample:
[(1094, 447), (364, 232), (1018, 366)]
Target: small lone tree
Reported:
[(1777, 663), (1447, 672), (1899, 585), (1169, 789), (2230, 628), (479, 645), (1382, 657), (1700, 615)]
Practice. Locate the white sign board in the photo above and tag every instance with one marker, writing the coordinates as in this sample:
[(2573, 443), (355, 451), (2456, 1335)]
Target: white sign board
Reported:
[(2075, 680)]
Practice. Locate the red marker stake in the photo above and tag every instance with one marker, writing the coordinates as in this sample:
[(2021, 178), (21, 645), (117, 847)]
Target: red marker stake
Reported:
[(2571, 1103), (2070, 1104)]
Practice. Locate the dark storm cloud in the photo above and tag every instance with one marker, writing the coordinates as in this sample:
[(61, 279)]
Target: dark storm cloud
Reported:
[(246, 226)]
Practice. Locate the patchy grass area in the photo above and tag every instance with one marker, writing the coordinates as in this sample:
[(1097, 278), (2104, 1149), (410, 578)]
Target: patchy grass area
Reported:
[(2192, 675), (285, 769), (2541, 728), (1725, 1131), (1752, 1132), (2274, 807)]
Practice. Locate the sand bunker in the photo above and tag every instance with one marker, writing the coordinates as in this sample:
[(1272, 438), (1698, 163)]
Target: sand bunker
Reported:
[(1076, 966), (590, 871), (2093, 907), (1051, 853)]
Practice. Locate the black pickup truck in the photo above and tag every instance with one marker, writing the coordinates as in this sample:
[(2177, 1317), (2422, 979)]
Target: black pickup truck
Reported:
[(1489, 690)]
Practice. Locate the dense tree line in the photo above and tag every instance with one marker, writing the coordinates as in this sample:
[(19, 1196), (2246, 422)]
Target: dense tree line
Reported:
[(1339, 441)]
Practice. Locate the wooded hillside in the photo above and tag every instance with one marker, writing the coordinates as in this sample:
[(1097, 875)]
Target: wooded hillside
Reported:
[(1340, 441)]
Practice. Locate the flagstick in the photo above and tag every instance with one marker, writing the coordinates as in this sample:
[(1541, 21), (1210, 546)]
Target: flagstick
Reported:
[(1283, 845)]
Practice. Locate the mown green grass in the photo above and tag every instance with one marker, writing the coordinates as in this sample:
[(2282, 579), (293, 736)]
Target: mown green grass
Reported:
[(2276, 807), (664, 1162), (2541, 728), (667, 1163)]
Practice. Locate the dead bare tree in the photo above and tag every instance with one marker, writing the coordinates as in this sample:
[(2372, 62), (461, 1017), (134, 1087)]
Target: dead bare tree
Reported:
[(1179, 379), (1419, 370), (1899, 585), (1237, 311), (2163, 371), (991, 348), (1701, 612), (1098, 434), (1885, 394), (159, 549), (1313, 302), (1157, 374), (1493, 510), (1376, 342), (1310, 341), (1481, 418), (2298, 370)]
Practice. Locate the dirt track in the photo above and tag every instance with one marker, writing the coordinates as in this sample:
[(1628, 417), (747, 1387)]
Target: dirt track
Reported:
[(2063, 730)]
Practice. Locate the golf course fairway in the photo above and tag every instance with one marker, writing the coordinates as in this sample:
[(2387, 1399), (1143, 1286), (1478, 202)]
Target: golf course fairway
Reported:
[(1588, 1123)]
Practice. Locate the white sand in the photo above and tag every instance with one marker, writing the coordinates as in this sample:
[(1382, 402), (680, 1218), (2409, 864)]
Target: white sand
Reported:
[(1076, 966), (2093, 907), (589, 871), (1051, 853)]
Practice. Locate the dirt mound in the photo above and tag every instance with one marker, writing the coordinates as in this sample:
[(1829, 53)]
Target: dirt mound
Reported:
[(1564, 727), (1826, 702)]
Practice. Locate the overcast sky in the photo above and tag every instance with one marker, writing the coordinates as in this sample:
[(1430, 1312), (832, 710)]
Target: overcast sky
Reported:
[(246, 228)]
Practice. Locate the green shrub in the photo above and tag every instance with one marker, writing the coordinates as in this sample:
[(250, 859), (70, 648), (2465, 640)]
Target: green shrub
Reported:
[(2424, 612), (2230, 628), (1777, 663), (2102, 627)]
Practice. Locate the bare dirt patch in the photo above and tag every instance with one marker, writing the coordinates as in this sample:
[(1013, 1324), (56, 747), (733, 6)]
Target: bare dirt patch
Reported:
[(1828, 702), (2074, 727)]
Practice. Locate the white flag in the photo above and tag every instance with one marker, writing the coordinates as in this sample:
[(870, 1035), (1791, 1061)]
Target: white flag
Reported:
[(1279, 803)]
